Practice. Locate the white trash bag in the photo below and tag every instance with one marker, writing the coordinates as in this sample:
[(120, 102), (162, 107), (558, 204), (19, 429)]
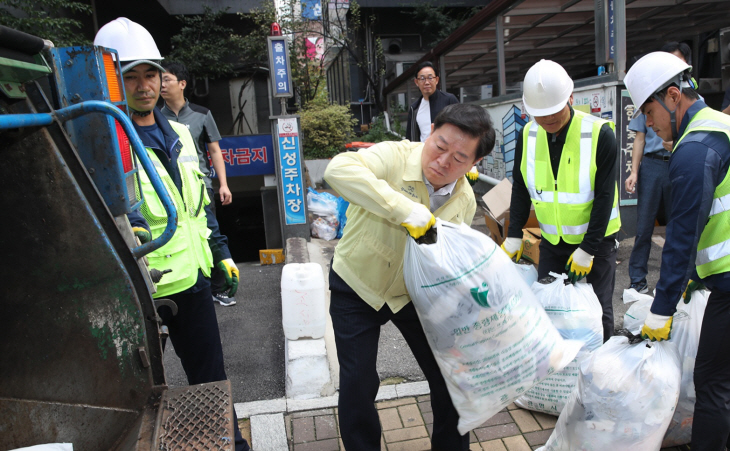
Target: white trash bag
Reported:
[(631, 295), (528, 272), (624, 400), (576, 312), (491, 338), (686, 327), (636, 315)]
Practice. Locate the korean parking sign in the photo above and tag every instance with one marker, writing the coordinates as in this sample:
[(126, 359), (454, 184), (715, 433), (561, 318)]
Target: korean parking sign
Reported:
[(292, 186)]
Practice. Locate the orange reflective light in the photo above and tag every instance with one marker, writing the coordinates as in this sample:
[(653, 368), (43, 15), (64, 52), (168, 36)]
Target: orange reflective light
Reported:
[(124, 149), (112, 78)]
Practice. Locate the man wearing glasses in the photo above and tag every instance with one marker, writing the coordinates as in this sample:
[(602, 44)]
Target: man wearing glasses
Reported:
[(202, 127), (424, 110)]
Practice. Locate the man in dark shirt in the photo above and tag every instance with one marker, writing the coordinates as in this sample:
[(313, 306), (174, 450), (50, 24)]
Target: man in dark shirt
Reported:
[(424, 110), (571, 156), (202, 127)]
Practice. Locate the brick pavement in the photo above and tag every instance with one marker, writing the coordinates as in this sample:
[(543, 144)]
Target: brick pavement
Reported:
[(407, 426)]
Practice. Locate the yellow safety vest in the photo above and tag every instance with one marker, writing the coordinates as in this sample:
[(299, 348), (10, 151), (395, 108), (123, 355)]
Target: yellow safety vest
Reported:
[(713, 248), (563, 206), (188, 250)]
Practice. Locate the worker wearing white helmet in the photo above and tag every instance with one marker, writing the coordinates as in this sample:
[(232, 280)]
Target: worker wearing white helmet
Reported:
[(194, 329), (698, 232), (565, 165)]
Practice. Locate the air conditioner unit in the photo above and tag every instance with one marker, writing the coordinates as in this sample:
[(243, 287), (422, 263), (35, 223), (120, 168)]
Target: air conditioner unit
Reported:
[(392, 46)]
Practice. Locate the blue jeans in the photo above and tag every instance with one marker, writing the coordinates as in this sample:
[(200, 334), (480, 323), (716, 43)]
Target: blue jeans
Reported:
[(652, 188)]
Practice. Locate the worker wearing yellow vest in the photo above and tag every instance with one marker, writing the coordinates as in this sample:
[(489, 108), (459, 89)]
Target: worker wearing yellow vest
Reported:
[(565, 165), (698, 232), (194, 329)]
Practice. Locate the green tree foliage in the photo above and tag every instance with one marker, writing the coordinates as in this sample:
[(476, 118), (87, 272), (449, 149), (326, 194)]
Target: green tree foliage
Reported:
[(370, 62), (254, 43), (378, 131), (438, 22), (326, 128), (308, 76), (55, 20), (341, 31), (207, 48)]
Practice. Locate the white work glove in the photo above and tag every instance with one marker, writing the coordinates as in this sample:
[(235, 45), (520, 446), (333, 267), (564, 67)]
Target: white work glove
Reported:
[(579, 265), (419, 221), (657, 327), (513, 248)]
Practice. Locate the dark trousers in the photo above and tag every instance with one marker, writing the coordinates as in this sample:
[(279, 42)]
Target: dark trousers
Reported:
[(653, 189), (711, 424), (217, 241), (357, 330), (194, 335), (553, 258)]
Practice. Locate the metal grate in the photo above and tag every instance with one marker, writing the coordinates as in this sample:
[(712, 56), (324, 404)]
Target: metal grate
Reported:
[(198, 417)]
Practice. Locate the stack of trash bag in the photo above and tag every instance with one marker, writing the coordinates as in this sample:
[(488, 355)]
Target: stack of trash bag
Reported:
[(327, 214), (576, 312), (490, 336), (624, 400), (686, 327)]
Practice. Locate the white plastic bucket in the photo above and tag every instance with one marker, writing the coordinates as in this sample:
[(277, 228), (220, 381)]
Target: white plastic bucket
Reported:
[(302, 300)]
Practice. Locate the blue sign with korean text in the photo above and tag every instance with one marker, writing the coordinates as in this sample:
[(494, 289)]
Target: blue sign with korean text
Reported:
[(280, 68), (247, 155), (292, 185), (312, 9)]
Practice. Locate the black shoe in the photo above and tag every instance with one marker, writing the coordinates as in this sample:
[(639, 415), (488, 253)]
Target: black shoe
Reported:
[(641, 287)]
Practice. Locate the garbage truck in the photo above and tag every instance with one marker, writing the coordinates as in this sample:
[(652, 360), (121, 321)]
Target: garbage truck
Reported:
[(80, 337)]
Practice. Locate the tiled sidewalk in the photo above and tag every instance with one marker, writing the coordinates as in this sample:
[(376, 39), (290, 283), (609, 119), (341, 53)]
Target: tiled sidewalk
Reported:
[(407, 426)]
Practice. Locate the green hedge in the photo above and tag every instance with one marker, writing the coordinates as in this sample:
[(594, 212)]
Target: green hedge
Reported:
[(326, 128)]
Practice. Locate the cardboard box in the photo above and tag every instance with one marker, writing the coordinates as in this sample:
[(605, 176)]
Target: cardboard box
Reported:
[(531, 238), (497, 215), (498, 199), (271, 256)]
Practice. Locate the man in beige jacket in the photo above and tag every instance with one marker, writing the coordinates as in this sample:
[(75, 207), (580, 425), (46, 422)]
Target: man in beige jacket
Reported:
[(395, 189)]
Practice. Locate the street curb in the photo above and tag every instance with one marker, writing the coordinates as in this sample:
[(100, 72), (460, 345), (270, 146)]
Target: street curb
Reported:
[(288, 405), (267, 417), (296, 251)]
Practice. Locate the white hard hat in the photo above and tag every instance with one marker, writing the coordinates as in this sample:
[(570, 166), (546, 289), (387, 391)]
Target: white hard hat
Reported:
[(546, 89), (652, 73), (132, 41)]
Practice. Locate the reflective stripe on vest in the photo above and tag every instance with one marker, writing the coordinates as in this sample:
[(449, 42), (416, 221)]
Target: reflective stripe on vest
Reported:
[(569, 204), (713, 248), (720, 204)]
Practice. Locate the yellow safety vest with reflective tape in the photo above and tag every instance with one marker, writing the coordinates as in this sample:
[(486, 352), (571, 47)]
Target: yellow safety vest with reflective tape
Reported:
[(188, 250), (713, 248), (563, 206)]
